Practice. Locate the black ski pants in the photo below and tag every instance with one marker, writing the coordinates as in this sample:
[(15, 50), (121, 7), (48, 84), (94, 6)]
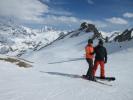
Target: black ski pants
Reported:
[(90, 69)]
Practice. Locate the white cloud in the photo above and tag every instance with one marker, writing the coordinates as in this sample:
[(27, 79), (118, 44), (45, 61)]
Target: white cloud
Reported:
[(90, 1), (100, 24), (60, 12), (117, 20), (25, 10), (31, 11), (128, 15), (65, 20), (51, 19)]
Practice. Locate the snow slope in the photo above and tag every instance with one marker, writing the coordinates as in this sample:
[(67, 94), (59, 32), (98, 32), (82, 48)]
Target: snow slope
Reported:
[(58, 81)]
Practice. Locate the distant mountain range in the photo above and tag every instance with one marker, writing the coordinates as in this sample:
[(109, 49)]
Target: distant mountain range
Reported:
[(17, 40)]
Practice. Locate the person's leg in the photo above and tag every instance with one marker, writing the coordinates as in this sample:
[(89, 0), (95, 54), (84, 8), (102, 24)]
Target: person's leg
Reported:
[(91, 69), (89, 72), (102, 69), (88, 67), (96, 63)]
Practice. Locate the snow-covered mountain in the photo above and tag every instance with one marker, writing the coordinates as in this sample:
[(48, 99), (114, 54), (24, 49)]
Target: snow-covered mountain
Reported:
[(45, 81), (16, 39)]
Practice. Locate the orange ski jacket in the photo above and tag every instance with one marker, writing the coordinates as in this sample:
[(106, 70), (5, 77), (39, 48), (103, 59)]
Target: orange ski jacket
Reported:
[(89, 49)]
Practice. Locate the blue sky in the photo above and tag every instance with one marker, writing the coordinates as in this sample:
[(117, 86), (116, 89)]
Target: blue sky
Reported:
[(99, 11), (93, 9), (107, 15)]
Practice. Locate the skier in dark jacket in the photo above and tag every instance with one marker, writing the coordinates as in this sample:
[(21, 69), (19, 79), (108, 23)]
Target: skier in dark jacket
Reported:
[(100, 58)]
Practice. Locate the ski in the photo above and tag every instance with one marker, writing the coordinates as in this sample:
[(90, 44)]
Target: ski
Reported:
[(96, 81), (106, 78), (102, 83)]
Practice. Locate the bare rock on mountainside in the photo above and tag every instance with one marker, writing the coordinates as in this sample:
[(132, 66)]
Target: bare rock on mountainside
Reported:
[(126, 35), (18, 62), (91, 28)]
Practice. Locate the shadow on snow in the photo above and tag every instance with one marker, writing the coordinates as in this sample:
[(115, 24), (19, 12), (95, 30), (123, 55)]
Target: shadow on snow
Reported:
[(62, 74)]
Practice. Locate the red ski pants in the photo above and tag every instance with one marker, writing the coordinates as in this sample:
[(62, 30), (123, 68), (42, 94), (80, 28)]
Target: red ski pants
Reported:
[(101, 63)]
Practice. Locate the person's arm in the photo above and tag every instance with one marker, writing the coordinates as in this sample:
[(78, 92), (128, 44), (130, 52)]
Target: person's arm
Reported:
[(105, 56), (92, 53)]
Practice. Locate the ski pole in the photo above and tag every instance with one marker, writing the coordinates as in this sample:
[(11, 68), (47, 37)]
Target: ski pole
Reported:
[(63, 61)]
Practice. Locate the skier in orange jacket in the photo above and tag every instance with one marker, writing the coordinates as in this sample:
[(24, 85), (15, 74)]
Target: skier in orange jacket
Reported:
[(89, 49)]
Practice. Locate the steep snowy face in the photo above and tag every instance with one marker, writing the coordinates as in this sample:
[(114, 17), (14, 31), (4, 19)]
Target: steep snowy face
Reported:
[(113, 35), (70, 46), (16, 39), (104, 34)]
